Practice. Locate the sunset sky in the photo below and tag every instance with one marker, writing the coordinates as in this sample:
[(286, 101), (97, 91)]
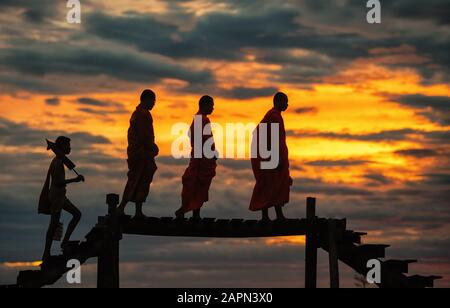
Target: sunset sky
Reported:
[(368, 124)]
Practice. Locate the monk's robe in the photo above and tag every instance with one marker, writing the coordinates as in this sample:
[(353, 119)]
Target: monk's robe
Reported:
[(142, 151), (272, 185), (198, 176)]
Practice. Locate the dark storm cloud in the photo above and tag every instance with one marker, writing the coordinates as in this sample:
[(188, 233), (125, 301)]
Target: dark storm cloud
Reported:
[(103, 113), (317, 186), (94, 102), (429, 39), (434, 137), (378, 178), (436, 10), (41, 59), (438, 136), (226, 35), (307, 110), (438, 179), (223, 35), (418, 153), (37, 85), (388, 136), (414, 10), (100, 107), (215, 35), (243, 93), (14, 134), (54, 101), (435, 108), (34, 11), (337, 163), (438, 103)]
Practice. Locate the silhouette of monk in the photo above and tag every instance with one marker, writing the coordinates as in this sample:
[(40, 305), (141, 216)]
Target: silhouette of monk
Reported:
[(198, 176), (272, 187), (57, 199), (142, 151)]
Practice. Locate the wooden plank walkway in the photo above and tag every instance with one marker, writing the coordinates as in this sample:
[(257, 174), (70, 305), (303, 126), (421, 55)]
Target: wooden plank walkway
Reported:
[(213, 228), (102, 242)]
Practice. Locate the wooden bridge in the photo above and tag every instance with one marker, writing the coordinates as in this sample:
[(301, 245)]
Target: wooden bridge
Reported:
[(332, 235)]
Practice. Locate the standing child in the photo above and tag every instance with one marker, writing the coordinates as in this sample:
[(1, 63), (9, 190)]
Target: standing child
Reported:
[(57, 199)]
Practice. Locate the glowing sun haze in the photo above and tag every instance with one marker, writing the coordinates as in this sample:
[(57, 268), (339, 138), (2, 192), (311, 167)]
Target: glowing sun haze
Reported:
[(368, 123)]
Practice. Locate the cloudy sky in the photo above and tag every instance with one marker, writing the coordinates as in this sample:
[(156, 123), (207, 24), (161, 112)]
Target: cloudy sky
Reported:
[(368, 124)]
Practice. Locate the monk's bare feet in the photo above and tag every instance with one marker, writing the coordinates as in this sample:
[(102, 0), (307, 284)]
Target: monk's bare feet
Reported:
[(265, 216), (280, 215), (179, 214), (139, 216), (196, 215), (120, 211), (265, 220)]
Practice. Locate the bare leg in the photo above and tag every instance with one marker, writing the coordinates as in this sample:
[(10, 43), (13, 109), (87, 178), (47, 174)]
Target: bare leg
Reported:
[(121, 208), (196, 215), (76, 217), (139, 212), (279, 211), (49, 238), (265, 215), (179, 214)]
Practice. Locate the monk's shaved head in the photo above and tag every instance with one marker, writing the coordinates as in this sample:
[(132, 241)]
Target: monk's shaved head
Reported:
[(148, 95), (280, 101), (206, 105), (63, 143), (205, 100), (148, 99)]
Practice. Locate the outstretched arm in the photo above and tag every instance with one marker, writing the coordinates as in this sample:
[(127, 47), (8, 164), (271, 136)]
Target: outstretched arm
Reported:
[(78, 179), (57, 173)]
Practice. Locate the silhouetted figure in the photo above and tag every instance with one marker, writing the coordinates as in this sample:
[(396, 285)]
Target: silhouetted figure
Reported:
[(142, 151), (198, 176), (272, 187), (56, 195)]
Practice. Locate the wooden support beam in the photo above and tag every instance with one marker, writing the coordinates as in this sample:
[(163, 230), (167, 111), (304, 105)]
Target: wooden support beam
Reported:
[(420, 282), (333, 238), (371, 251), (311, 245), (108, 259), (399, 266)]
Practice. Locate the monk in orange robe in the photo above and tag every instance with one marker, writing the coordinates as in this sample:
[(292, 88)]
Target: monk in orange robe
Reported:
[(198, 176), (142, 151), (272, 187)]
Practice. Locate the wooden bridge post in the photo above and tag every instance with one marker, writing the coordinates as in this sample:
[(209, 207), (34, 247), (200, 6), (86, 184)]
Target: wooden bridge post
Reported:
[(311, 245), (108, 259), (333, 238)]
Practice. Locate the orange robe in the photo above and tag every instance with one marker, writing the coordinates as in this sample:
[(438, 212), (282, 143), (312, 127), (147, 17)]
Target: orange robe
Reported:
[(142, 151), (198, 176), (272, 186)]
